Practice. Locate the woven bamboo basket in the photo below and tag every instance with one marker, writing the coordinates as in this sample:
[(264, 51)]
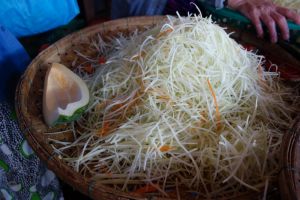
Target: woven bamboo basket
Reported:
[(29, 94), (290, 163)]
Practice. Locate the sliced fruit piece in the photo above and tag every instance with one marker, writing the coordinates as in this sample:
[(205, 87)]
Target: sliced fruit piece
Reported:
[(65, 95)]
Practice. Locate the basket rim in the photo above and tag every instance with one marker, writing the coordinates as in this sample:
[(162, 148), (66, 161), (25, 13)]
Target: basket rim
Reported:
[(290, 159)]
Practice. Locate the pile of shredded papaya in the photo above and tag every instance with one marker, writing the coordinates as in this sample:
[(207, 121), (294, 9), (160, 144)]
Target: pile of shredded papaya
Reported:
[(180, 109)]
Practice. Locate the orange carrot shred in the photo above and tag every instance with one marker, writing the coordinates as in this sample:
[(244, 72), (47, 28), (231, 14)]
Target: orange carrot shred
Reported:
[(218, 116), (169, 30), (105, 129), (89, 69), (165, 148), (146, 189), (117, 106), (101, 60)]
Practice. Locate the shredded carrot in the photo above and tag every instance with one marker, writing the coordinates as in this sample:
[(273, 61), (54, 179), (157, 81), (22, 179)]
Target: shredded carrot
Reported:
[(218, 116), (169, 30), (165, 148), (101, 60), (118, 106), (105, 129), (146, 189), (88, 69)]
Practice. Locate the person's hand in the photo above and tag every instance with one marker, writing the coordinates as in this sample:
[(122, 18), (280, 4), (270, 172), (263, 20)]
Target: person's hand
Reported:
[(267, 12)]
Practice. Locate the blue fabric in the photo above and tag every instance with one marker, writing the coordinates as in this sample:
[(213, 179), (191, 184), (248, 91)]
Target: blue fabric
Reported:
[(29, 17), (13, 62)]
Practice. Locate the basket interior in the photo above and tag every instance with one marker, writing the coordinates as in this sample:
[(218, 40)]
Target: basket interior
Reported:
[(30, 93)]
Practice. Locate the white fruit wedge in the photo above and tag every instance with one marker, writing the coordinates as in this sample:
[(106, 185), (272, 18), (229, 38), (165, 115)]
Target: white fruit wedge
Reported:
[(65, 95)]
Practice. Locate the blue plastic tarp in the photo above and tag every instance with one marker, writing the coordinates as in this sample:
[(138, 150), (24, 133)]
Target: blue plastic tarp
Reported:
[(13, 62), (29, 17)]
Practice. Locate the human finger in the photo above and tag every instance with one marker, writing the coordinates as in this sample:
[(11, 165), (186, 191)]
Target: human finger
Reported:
[(253, 15), (270, 23), (282, 24), (290, 14)]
